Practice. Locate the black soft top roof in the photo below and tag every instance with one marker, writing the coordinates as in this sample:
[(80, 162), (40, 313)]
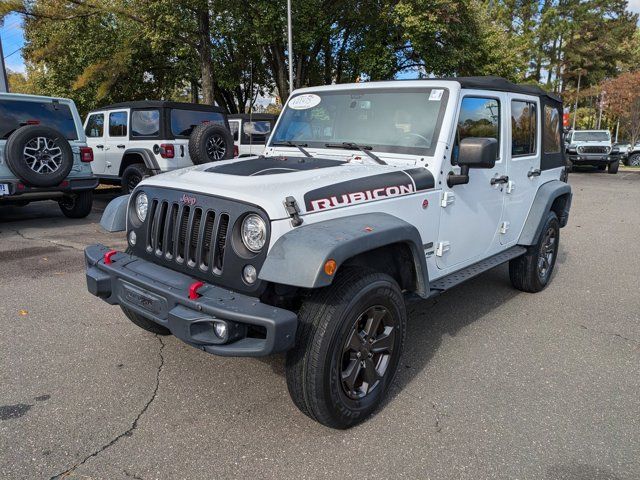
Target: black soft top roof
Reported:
[(502, 85), (254, 116), (163, 104)]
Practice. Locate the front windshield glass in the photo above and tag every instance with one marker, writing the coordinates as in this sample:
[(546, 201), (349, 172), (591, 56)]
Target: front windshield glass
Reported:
[(395, 121), (591, 136)]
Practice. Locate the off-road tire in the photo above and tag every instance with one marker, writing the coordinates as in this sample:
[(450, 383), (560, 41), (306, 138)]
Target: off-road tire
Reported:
[(327, 319), (46, 149), (210, 142), (77, 205), (145, 323), (634, 160), (612, 168), (524, 271), (132, 176)]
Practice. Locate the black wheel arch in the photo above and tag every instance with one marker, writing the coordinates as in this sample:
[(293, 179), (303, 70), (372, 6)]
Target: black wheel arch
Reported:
[(552, 196), (132, 156)]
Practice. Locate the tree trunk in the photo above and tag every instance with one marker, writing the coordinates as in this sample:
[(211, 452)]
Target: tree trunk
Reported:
[(204, 55), (275, 54), (194, 92)]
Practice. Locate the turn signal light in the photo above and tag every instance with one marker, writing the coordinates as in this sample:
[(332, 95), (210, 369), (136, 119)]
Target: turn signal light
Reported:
[(236, 151), (330, 267), (86, 154), (167, 150)]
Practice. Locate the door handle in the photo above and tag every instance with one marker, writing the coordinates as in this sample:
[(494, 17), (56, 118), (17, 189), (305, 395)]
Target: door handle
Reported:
[(100, 146), (534, 173), (502, 179), (121, 146)]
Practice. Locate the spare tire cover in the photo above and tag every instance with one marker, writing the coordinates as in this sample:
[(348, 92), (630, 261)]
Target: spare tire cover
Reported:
[(40, 156), (210, 142)]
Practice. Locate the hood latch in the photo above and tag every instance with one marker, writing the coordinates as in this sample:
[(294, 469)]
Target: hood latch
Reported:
[(291, 206)]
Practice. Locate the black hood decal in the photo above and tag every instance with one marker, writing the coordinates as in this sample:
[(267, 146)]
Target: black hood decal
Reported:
[(366, 189), (273, 165)]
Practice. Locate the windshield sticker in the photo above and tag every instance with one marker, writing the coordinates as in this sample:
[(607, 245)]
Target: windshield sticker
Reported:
[(303, 102), (436, 95)]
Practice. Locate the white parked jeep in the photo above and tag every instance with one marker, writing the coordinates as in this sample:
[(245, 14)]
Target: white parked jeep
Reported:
[(367, 194), (593, 148), (134, 140), (250, 132)]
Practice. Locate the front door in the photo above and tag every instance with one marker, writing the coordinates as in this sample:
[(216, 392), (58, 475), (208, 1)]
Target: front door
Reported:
[(471, 214), (117, 138), (94, 130)]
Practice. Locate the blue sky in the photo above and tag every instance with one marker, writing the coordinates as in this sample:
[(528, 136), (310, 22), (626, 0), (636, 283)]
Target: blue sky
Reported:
[(12, 37)]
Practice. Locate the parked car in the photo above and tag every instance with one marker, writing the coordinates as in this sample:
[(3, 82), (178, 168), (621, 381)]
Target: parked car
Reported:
[(594, 148), (633, 156), (134, 140), (44, 154), (624, 149), (251, 132), (367, 195)]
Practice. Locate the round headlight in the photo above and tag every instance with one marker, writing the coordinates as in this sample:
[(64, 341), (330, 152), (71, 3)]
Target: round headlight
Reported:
[(142, 205), (254, 232)]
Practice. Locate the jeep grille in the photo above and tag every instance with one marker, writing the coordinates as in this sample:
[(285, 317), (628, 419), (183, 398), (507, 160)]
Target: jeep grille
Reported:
[(593, 149)]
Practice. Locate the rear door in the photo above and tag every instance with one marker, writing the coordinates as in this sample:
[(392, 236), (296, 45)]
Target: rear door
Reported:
[(116, 140), (95, 132), (234, 127), (523, 163)]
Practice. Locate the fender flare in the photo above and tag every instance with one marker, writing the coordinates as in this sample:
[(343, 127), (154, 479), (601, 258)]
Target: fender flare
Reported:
[(297, 258), (147, 156), (114, 217), (542, 203)]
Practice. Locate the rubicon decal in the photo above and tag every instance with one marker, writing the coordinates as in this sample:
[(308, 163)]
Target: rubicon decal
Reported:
[(377, 187)]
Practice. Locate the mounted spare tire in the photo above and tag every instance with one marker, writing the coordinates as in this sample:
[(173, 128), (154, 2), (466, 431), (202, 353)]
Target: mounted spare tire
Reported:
[(210, 142), (40, 156)]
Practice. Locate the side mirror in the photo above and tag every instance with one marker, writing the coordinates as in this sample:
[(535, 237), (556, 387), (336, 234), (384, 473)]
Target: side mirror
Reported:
[(474, 152), (478, 152)]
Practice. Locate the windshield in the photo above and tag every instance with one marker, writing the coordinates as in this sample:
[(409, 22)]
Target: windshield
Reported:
[(397, 121), (591, 136)]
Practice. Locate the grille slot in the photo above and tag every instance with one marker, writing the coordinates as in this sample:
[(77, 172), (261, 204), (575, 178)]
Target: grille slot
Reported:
[(192, 236)]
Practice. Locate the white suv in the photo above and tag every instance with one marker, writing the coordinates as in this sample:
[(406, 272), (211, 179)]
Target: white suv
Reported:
[(134, 140), (368, 195), (250, 132)]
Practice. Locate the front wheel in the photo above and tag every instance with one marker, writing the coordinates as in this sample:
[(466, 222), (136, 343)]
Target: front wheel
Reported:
[(613, 167), (532, 271), (634, 160), (349, 342)]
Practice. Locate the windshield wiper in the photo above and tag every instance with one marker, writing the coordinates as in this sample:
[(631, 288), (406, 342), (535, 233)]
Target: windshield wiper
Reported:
[(289, 143), (363, 148)]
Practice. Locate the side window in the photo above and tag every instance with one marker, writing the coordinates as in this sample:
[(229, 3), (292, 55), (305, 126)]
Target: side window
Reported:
[(95, 126), (145, 123), (479, 117), (523, 128), (233, 127), (551, 137), (118, 124)]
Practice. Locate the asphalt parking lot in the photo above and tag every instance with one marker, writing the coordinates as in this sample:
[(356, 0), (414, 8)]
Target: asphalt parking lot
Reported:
[(494, 383)]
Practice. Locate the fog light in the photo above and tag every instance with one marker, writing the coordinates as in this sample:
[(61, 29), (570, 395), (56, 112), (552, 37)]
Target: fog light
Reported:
[(132, 237), (250, 274), (220, 330)]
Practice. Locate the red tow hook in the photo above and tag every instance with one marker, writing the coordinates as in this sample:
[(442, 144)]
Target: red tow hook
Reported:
[(108, 255), (193, 290)]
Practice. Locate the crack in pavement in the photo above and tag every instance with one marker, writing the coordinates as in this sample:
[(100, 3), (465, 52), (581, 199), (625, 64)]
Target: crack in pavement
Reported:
[(53, 242), (438, 415), (129, 431), (610, 334)]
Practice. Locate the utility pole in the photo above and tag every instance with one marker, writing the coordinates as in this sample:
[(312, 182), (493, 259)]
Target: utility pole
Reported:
[(290, 48), (4, 83), (602, 94), (575, 108), (617, 128)]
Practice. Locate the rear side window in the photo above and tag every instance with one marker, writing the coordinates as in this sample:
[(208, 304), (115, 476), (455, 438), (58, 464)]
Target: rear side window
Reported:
[(234, 127), (523, 128), (551, 137), (95, 126), (184, 121), (145, 123), (17, 113), (256, 131), (479, 118), (118, 124)]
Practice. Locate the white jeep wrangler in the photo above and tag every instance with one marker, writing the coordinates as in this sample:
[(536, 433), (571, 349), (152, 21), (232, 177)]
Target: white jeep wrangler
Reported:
[(593, 148), (367, 194), (134, 140)]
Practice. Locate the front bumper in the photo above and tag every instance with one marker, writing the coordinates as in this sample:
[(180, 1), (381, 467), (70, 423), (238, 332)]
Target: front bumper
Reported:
[(161, 295), (19, 191), (590, 159)]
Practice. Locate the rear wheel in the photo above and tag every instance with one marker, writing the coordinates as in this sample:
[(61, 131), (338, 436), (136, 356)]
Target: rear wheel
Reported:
[(613, 167), (77, 205), (349, 342), (532, 271), (132, 176)]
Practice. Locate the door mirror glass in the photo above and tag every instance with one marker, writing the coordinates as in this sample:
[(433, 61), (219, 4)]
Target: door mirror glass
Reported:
[(478, 152)]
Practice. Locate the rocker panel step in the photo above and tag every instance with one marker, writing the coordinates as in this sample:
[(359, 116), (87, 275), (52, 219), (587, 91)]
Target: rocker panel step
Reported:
[(456, 278)]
